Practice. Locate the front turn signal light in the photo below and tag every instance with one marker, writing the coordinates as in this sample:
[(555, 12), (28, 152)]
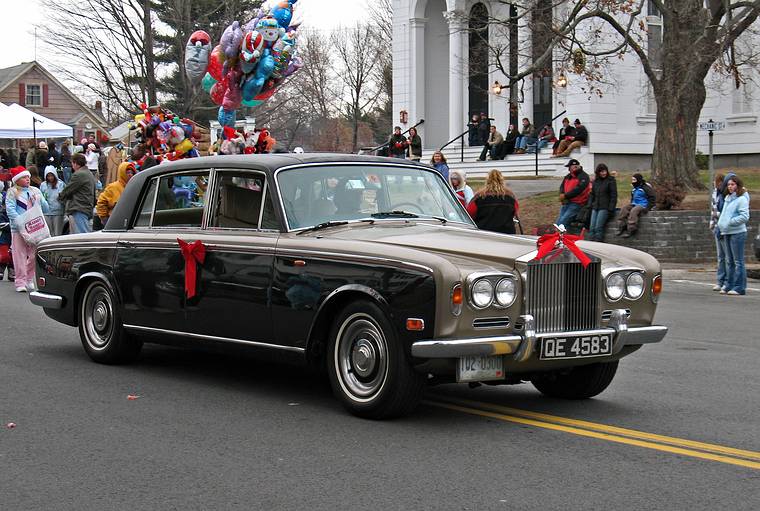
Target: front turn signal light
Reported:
[(457, 299), (656, 287)]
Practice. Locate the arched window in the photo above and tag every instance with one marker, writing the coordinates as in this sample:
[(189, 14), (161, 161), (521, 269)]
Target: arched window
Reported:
[(478, 59)]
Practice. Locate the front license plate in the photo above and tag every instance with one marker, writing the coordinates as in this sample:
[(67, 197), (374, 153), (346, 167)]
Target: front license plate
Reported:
[(555, 348), (480, 368)]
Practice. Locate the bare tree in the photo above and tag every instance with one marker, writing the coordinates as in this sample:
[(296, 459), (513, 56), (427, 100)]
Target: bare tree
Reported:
[(105, 46), (358, 54), (582, 37)]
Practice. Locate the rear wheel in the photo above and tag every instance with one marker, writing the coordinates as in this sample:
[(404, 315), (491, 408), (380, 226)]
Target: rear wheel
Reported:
[(580, 382), (101, 329), (369, 371)]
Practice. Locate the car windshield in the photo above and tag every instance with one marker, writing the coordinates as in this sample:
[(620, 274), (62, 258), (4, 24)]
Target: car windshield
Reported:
[(330, 193)]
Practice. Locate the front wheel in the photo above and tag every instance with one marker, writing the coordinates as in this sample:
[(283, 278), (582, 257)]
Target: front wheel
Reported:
[(368, 369), (580, 382), (101, 329)]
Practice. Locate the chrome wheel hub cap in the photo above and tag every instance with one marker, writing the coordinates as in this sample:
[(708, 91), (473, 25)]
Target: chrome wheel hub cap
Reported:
[(363, 358)]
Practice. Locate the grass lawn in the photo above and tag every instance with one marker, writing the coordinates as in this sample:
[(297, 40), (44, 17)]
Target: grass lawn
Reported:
[(543, 208)]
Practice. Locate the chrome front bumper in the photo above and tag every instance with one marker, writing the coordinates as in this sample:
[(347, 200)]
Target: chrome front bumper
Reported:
[(46, 300), (522, 344)]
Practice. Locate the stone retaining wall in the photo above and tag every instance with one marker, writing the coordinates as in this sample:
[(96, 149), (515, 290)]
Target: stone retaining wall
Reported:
[(678, 236)]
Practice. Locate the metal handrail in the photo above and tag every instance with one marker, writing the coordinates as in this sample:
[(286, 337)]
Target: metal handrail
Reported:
[(373, 149)]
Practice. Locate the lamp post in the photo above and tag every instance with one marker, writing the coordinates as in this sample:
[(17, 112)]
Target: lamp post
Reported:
[(34, 129)]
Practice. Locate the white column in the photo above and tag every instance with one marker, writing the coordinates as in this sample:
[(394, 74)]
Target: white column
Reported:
[(417, 72), (457, 76)]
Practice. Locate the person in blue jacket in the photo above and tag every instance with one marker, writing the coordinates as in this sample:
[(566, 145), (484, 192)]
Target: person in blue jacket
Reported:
[(642, 201), (732, 225)]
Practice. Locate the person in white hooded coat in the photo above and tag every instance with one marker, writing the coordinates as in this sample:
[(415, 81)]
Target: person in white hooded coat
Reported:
[(458, 181)]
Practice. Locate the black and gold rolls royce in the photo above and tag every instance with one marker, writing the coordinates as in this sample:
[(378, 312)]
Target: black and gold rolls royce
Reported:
[(367, 267)]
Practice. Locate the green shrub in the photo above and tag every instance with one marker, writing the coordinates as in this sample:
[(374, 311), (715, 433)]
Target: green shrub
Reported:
[(702, 160)]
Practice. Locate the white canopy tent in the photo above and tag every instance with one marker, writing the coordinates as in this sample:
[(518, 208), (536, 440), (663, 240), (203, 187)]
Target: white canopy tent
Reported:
[(18, 122)]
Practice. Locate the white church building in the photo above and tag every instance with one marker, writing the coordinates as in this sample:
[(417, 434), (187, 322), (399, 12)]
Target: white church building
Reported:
[(433, 80)]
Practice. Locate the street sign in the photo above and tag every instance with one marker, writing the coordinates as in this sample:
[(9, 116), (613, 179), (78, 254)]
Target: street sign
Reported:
[(711, 126)]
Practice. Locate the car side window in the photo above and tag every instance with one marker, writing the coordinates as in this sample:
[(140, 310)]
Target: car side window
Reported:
[(180, 200), (241, 202), (143, 219)]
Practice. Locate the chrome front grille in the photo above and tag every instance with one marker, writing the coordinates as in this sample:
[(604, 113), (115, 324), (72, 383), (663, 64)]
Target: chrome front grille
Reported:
[(563, 296)]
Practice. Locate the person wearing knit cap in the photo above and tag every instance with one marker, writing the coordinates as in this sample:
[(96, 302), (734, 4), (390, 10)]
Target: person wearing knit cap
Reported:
[(110, 196), (19, 199), (642, 201)]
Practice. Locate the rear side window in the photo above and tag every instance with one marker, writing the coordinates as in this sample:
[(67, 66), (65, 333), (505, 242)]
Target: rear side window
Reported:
[(180, 200), (143, 219), (242, 202)]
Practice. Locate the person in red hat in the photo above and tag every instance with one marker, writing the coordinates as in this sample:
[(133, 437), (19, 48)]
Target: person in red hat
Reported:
[(18, 200)]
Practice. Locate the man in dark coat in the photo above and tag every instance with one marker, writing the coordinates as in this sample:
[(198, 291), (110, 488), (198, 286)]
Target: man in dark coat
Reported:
[(397, 144)]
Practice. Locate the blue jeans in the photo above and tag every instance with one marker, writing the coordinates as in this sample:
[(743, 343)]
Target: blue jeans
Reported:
[(522, 142), (66, 174), (721, 276), (79, 223), (540, 144), (598, 221), (567, 214), (736, 273)]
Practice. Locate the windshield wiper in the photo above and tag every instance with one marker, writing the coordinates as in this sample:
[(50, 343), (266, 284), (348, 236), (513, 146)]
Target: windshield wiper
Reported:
[(323, 225), (406, 214)]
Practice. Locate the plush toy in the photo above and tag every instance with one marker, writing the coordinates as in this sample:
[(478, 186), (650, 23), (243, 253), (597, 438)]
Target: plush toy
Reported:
[(197, 53)]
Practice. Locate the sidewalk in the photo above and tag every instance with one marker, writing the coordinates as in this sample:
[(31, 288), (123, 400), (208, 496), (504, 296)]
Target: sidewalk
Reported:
[(702, 272)]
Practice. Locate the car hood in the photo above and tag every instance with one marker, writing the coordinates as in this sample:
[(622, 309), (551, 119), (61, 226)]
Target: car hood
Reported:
[(466, 243)]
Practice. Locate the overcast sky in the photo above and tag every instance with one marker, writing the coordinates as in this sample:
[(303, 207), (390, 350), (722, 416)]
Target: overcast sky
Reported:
[(18, 24)]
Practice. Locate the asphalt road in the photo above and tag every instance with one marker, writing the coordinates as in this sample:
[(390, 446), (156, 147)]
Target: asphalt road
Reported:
[(218, 432)]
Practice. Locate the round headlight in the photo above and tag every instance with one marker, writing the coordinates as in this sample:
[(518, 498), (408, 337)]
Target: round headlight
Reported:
[(634, 286), (482, 293), (505, 292), (615, 285)]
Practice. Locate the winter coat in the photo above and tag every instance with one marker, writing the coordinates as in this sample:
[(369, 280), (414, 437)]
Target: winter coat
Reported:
[(18, 201), (735, 215), (581, 134), (495, 138), (110, 196), (464, 192), (576, 187), (443, 169), (643, 195), (92, 159), (603, 194), (528, 131), (415, 146), (484, 130), (397, 145), (79, 193), (473, 138), (41, 158), (494, 212), (51, 194)]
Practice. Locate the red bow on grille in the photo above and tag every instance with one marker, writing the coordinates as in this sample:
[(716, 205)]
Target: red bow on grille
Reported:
[(548, 242), (193, 253)]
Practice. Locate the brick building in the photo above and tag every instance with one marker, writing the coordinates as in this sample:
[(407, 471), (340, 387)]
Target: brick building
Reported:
[(35, 88)]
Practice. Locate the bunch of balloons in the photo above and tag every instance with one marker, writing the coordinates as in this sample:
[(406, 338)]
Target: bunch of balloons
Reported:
[(166, 135), (250, 61)]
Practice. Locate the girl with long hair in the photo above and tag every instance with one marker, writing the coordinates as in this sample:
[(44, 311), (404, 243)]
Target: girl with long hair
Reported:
[(732, 224), (494, 207)]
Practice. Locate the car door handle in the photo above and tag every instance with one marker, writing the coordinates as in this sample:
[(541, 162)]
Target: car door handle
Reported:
[(295, 262)]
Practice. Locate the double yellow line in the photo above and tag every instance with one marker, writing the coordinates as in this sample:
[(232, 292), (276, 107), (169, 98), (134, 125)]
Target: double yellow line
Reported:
[(691, 448)]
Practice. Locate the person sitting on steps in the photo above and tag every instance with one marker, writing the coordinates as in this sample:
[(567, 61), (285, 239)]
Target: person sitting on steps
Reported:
[(493, 145), (527, 137), (565, 132), (578, 140)]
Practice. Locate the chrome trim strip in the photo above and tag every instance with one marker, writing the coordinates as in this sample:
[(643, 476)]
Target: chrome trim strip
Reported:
[(344, 256), (202, 337), (46, 300), (491, 323)]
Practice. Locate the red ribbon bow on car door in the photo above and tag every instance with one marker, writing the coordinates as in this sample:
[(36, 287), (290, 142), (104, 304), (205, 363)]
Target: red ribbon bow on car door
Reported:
[(548, 242), (193, 253)]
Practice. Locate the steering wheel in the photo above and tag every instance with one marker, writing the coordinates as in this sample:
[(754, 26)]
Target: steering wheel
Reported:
[(402, 206)]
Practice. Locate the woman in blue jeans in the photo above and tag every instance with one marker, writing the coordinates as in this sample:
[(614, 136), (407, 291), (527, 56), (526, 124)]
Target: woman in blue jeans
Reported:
[(602, 201), (732, 225)]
